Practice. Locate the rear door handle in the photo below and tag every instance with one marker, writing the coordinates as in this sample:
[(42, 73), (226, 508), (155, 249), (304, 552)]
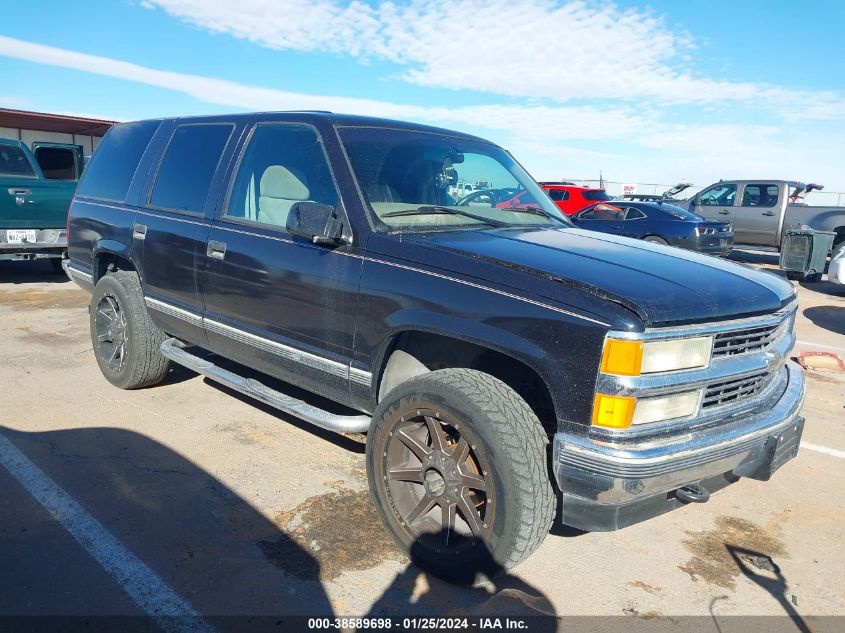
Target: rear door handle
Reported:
[(216, 249), (139, 231), (724, 212), (768, 212)]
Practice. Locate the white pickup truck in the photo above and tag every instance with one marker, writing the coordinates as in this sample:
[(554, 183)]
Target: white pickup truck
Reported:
[(761, 211)]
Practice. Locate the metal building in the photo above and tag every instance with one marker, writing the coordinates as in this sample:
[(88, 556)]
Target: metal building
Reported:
[(55, 128)]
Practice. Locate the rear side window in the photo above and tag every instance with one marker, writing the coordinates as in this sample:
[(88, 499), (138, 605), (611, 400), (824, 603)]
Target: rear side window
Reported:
[(593, 195), (761, 195), (110, 172), (189, 162), (57, 163), (13, 162)]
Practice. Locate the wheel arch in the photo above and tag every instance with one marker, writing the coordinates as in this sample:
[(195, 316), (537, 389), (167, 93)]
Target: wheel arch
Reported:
[(110, 255), (413, 352)]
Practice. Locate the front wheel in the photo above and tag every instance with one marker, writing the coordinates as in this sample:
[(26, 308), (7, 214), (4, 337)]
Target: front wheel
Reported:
[(127, 345), (456, 462)]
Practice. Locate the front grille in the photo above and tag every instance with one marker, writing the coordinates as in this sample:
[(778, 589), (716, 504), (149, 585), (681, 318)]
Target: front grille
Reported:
[(729, 391), (747, 340), (795, 252)]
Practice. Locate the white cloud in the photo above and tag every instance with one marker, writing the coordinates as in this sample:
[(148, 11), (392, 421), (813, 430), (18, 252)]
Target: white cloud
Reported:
[(553, 141), (555, 123), (532, 48)]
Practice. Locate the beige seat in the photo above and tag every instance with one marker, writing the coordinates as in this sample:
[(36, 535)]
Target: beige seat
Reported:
[(278, 191)]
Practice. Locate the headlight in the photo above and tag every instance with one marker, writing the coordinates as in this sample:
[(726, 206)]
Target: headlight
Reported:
[(657, 409), (622, 412), (624, 357)]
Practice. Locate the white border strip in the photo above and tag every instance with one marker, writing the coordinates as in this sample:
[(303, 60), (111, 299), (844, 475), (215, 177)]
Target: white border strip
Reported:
[(155, 597), (833, 452)]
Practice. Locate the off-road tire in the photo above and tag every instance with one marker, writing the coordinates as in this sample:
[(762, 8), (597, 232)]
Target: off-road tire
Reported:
[(502, 427), (144, 364)]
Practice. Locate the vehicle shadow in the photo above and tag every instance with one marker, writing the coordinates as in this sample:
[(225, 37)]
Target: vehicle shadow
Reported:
[(825, 287), (194, 532), (769, 578), (28, 272), (481, 588), (830, 318), (754, 257)]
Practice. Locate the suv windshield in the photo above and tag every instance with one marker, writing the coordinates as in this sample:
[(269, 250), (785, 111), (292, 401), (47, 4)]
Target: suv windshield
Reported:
[(418, 179)]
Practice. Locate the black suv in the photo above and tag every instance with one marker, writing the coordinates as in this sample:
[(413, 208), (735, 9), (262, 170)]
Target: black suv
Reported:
[(493, 356)]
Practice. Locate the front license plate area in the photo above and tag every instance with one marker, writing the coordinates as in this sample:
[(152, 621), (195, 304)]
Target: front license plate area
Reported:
[(779, 449), (19, 236)]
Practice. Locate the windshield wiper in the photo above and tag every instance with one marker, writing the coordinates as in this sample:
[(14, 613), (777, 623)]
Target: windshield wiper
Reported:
[(435, 210), (538, 211)]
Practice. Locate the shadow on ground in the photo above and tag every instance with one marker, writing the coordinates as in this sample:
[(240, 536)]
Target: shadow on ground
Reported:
[(28, 272), (830, 318), (237, 569), (754, 257)]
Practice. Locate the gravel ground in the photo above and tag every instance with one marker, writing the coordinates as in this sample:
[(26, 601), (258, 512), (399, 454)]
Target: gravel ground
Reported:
[(238, 510)]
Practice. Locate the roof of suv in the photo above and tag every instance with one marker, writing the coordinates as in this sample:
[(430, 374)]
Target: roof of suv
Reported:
[(346, 120)]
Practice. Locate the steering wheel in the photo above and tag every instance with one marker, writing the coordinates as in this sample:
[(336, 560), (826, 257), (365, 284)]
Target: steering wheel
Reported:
[(481, 193)]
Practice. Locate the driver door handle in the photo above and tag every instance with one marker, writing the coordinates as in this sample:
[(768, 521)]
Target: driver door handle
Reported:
[(216, 250), (768, 212), (724, 212)]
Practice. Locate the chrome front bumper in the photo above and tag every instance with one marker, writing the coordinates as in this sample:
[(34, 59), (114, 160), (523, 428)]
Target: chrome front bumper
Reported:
[(609, 483)]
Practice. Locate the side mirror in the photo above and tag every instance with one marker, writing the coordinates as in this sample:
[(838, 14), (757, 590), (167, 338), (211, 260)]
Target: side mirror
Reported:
[(317, 222)]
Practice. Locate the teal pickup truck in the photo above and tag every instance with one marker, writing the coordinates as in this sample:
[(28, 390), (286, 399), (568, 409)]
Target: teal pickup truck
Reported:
[(36, 187)]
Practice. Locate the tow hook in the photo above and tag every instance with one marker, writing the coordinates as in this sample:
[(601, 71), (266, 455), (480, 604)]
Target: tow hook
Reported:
[(693, 493)]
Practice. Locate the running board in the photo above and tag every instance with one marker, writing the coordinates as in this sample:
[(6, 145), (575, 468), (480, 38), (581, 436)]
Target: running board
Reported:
[(174, 349)]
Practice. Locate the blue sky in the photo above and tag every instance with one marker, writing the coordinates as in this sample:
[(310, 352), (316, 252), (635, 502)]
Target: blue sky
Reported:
[(643, 92)]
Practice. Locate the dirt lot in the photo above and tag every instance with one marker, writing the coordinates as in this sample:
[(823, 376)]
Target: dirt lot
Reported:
[(234, 509)]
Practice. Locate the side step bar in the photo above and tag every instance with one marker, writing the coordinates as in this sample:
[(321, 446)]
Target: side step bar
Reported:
[(174, 349)]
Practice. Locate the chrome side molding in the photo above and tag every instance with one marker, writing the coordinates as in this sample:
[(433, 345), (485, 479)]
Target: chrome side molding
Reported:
[(175, 350)]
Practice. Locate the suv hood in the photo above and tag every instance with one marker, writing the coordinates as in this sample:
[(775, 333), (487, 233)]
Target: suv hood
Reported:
[(660, 284)]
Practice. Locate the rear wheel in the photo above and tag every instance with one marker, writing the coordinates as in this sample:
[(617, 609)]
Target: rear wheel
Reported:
[(457, 468), (125, 340), (654, 239)]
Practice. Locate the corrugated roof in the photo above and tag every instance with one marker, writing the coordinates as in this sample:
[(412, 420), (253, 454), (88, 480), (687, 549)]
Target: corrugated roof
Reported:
[(46, 122)]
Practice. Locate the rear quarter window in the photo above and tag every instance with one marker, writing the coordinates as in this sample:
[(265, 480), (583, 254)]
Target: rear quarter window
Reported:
[(113, 164), (188, 165), (593, 196)]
